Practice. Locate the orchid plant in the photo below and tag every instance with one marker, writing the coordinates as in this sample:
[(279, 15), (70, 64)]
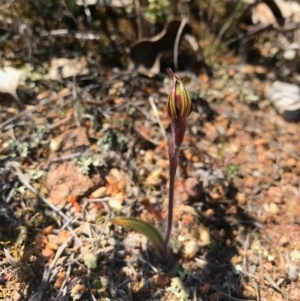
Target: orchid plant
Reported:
[(179, 107)]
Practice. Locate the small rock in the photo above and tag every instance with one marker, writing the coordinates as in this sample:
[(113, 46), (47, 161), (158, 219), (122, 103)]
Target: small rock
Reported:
[(293, 272), (53, 246), (193, 188), (273, 208), (268, 266), (250, 182), (17, 296), (283, 241), (204, 235), (275, 193), (64, 179), (47, 252), (291, 162), (286, 99), (48, 230), (209, 212), (99, 193), (52, 238), (190, 249), (236, 259), (161, 163), (161, 280), (41, 239), (240, 197), (56, 144), (60, 278)]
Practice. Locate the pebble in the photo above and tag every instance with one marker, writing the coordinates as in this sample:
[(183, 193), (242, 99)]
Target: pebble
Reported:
[(293, 271), (190, 249), (193, 188), (283, 241), (47, 252), (161, 280), (240, 197), (209, 212), (275, 194), (273, 208), (291, 162), (204, 235), (17, 296), (56, 144)]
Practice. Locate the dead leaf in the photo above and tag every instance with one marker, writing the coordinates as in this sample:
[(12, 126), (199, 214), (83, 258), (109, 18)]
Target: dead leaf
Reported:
[(146, 54), (9, 81), (61, 68)]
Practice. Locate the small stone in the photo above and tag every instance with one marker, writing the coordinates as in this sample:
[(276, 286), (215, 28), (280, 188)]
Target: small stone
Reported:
[(190, 249), (275, 194), (209, 212), (283, 241), (48, 230), (193, 188), (52, 238), (204, 235), (53, 246), (60, 278), (41, 239), (47, 252), (273, 208), (56, 144), (17, 296), (99, 193), (161, 163), (231, 72), (250, 182), (293, 272), (268, 266), (240, 197), (291, 162), (161, 280), (236, 259)]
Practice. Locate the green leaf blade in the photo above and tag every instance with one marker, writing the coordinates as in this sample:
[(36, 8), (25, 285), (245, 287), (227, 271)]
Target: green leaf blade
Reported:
[(144, 228)]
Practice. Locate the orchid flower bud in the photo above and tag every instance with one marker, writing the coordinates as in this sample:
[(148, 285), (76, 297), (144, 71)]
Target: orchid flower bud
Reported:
[(179, 102)]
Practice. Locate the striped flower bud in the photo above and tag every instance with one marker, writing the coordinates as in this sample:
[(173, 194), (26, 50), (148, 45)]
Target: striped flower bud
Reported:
[(179, 102)]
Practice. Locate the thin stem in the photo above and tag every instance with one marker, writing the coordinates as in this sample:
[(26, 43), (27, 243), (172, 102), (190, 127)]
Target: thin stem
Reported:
[(173, 158), (178, 130)]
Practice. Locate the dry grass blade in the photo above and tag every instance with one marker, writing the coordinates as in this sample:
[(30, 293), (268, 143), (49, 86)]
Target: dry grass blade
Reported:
[(39, 295)]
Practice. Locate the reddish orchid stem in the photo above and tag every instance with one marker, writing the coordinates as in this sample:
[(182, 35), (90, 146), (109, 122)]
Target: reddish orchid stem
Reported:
[(178, 130)]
